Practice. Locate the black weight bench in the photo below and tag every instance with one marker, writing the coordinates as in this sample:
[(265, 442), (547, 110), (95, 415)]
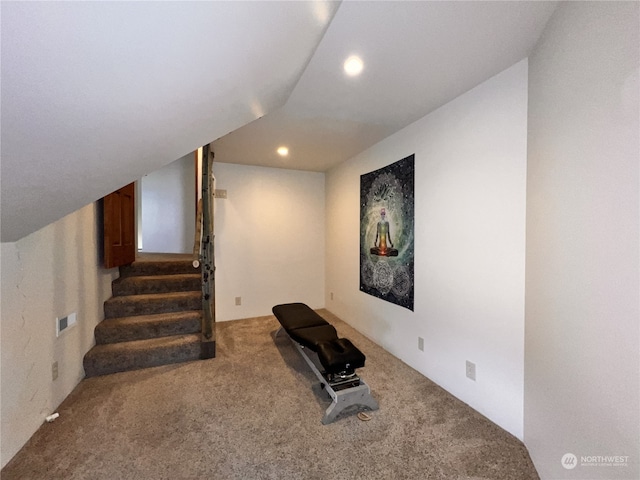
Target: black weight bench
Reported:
[(334, 360)]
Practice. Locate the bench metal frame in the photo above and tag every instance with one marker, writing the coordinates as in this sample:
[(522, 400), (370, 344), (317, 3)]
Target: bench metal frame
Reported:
[(345, 400)]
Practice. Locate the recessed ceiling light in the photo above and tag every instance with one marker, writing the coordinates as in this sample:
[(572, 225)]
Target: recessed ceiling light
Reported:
[(283, 151), (353, 65)]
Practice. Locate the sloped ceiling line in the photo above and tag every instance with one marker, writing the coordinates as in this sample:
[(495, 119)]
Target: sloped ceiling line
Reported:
[(97, 94)]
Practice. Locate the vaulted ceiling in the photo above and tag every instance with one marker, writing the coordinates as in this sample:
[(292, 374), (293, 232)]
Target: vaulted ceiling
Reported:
[(97, 94)]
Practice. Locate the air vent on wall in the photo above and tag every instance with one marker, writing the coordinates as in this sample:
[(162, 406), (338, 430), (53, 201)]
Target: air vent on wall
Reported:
[(65, 323)]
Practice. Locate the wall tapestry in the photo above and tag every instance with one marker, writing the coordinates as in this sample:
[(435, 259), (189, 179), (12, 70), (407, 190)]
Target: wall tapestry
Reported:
[(386, 233)]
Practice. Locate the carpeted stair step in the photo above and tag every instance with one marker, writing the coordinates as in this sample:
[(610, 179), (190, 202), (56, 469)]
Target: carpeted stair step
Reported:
[(149, 304), (124, 356), (143, 284), (154, 317), (140, 327), (171, 267)]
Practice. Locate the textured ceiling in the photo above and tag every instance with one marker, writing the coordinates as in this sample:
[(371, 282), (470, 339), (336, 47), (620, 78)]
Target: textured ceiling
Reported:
[(97, 94)]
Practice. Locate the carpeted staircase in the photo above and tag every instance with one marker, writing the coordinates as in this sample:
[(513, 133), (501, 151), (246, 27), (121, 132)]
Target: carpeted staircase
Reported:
[(153, 318)]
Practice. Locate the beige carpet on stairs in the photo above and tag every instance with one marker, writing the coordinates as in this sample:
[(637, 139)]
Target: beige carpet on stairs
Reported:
[(254, 413)]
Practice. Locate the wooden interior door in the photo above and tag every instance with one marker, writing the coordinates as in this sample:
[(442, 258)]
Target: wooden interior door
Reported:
[(119, 227)]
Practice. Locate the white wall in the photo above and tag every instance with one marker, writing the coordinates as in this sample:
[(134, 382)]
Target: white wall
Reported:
[(50, 273), (269, 239), (169, 207), (469, 246), (582, 288)]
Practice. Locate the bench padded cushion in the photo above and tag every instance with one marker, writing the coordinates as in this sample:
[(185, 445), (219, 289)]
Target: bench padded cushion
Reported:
[(312, 331), (312, 336), (297, 315), (339, 355)]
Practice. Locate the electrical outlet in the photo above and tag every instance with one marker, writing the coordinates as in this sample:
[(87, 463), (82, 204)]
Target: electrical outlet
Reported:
[(220, 193), (54, 370), (421, 344), (238, 301), (471, 370)]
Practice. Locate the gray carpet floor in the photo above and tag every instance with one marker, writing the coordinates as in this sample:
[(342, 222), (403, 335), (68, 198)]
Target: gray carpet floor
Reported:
[(254, 412)]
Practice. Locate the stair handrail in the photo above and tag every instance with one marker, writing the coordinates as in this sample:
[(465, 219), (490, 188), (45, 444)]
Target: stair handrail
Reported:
[(206, 257), (197, 242)]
